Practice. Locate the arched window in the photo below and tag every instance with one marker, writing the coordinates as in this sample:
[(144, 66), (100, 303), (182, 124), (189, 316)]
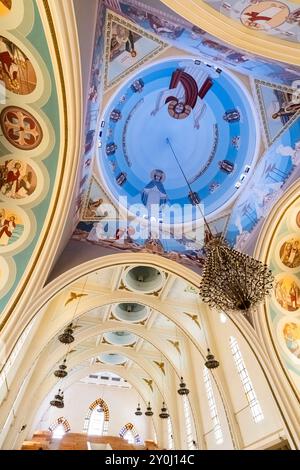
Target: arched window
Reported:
[(130, 434), (59, 428), (97, 418), (212, 407), (255, 407)]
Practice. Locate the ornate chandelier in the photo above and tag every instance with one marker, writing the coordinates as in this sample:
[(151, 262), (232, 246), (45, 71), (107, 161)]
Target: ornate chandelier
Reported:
[(232, 280)]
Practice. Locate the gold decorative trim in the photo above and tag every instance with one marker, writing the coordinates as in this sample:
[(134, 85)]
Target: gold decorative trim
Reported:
[(62, 171), (266, 315), (260, 44), (258, 92)]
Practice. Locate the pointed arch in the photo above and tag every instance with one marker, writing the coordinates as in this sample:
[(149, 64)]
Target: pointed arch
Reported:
[(102, 407), (129, 427), (60, 421)]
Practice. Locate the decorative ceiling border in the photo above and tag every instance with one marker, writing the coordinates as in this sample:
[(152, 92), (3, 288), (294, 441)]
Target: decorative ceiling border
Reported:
[(206, 18), (24, 282)]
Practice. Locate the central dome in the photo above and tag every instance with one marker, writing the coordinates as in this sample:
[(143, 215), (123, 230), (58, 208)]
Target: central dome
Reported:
[(179, 132)]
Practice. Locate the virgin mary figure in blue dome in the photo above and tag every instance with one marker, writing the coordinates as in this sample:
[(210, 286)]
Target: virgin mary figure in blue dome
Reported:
[(154, 194)]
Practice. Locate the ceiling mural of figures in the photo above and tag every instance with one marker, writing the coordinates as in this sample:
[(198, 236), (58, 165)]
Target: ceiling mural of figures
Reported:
[(98, 205), (182, 34), (93, 105), (127, 47), (279, 107), (30, 144), (276, 171), (284, 305), (182, 106), (18, 180), (168, 111), (16, 70), (11, 227), (277, 18)]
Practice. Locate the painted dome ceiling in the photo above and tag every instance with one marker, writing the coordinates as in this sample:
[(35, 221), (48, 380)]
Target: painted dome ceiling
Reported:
[(178, 120)]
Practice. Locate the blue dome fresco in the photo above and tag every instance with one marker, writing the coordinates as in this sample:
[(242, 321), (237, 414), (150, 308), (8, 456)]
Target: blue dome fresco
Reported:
[(179, 132)]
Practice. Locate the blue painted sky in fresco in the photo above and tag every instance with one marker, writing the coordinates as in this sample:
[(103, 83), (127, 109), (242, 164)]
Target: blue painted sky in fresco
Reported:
[(144, 137)]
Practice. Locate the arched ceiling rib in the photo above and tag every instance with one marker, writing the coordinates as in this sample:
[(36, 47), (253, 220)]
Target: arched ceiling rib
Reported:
[(233, 32)]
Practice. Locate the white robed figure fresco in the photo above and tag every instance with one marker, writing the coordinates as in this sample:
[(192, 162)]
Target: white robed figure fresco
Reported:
[(154, 194)]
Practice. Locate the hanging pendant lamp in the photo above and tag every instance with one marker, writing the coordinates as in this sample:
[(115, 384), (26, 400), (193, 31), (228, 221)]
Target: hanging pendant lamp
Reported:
[(61, 372), (58, 401), (164, 412), (67, 336), (211, 362), (138, 411), (149, 411), (183, 390)]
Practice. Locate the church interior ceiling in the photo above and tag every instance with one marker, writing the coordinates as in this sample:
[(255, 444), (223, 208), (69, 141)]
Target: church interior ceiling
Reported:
[(134, 129)]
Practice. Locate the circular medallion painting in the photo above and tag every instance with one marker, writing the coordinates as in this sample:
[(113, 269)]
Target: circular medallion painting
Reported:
[(16, 70), (287, 292), (264, 15), (179, 133), (289, 252), (288, 332), (20, 128), (17, 179), (11, 227)]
